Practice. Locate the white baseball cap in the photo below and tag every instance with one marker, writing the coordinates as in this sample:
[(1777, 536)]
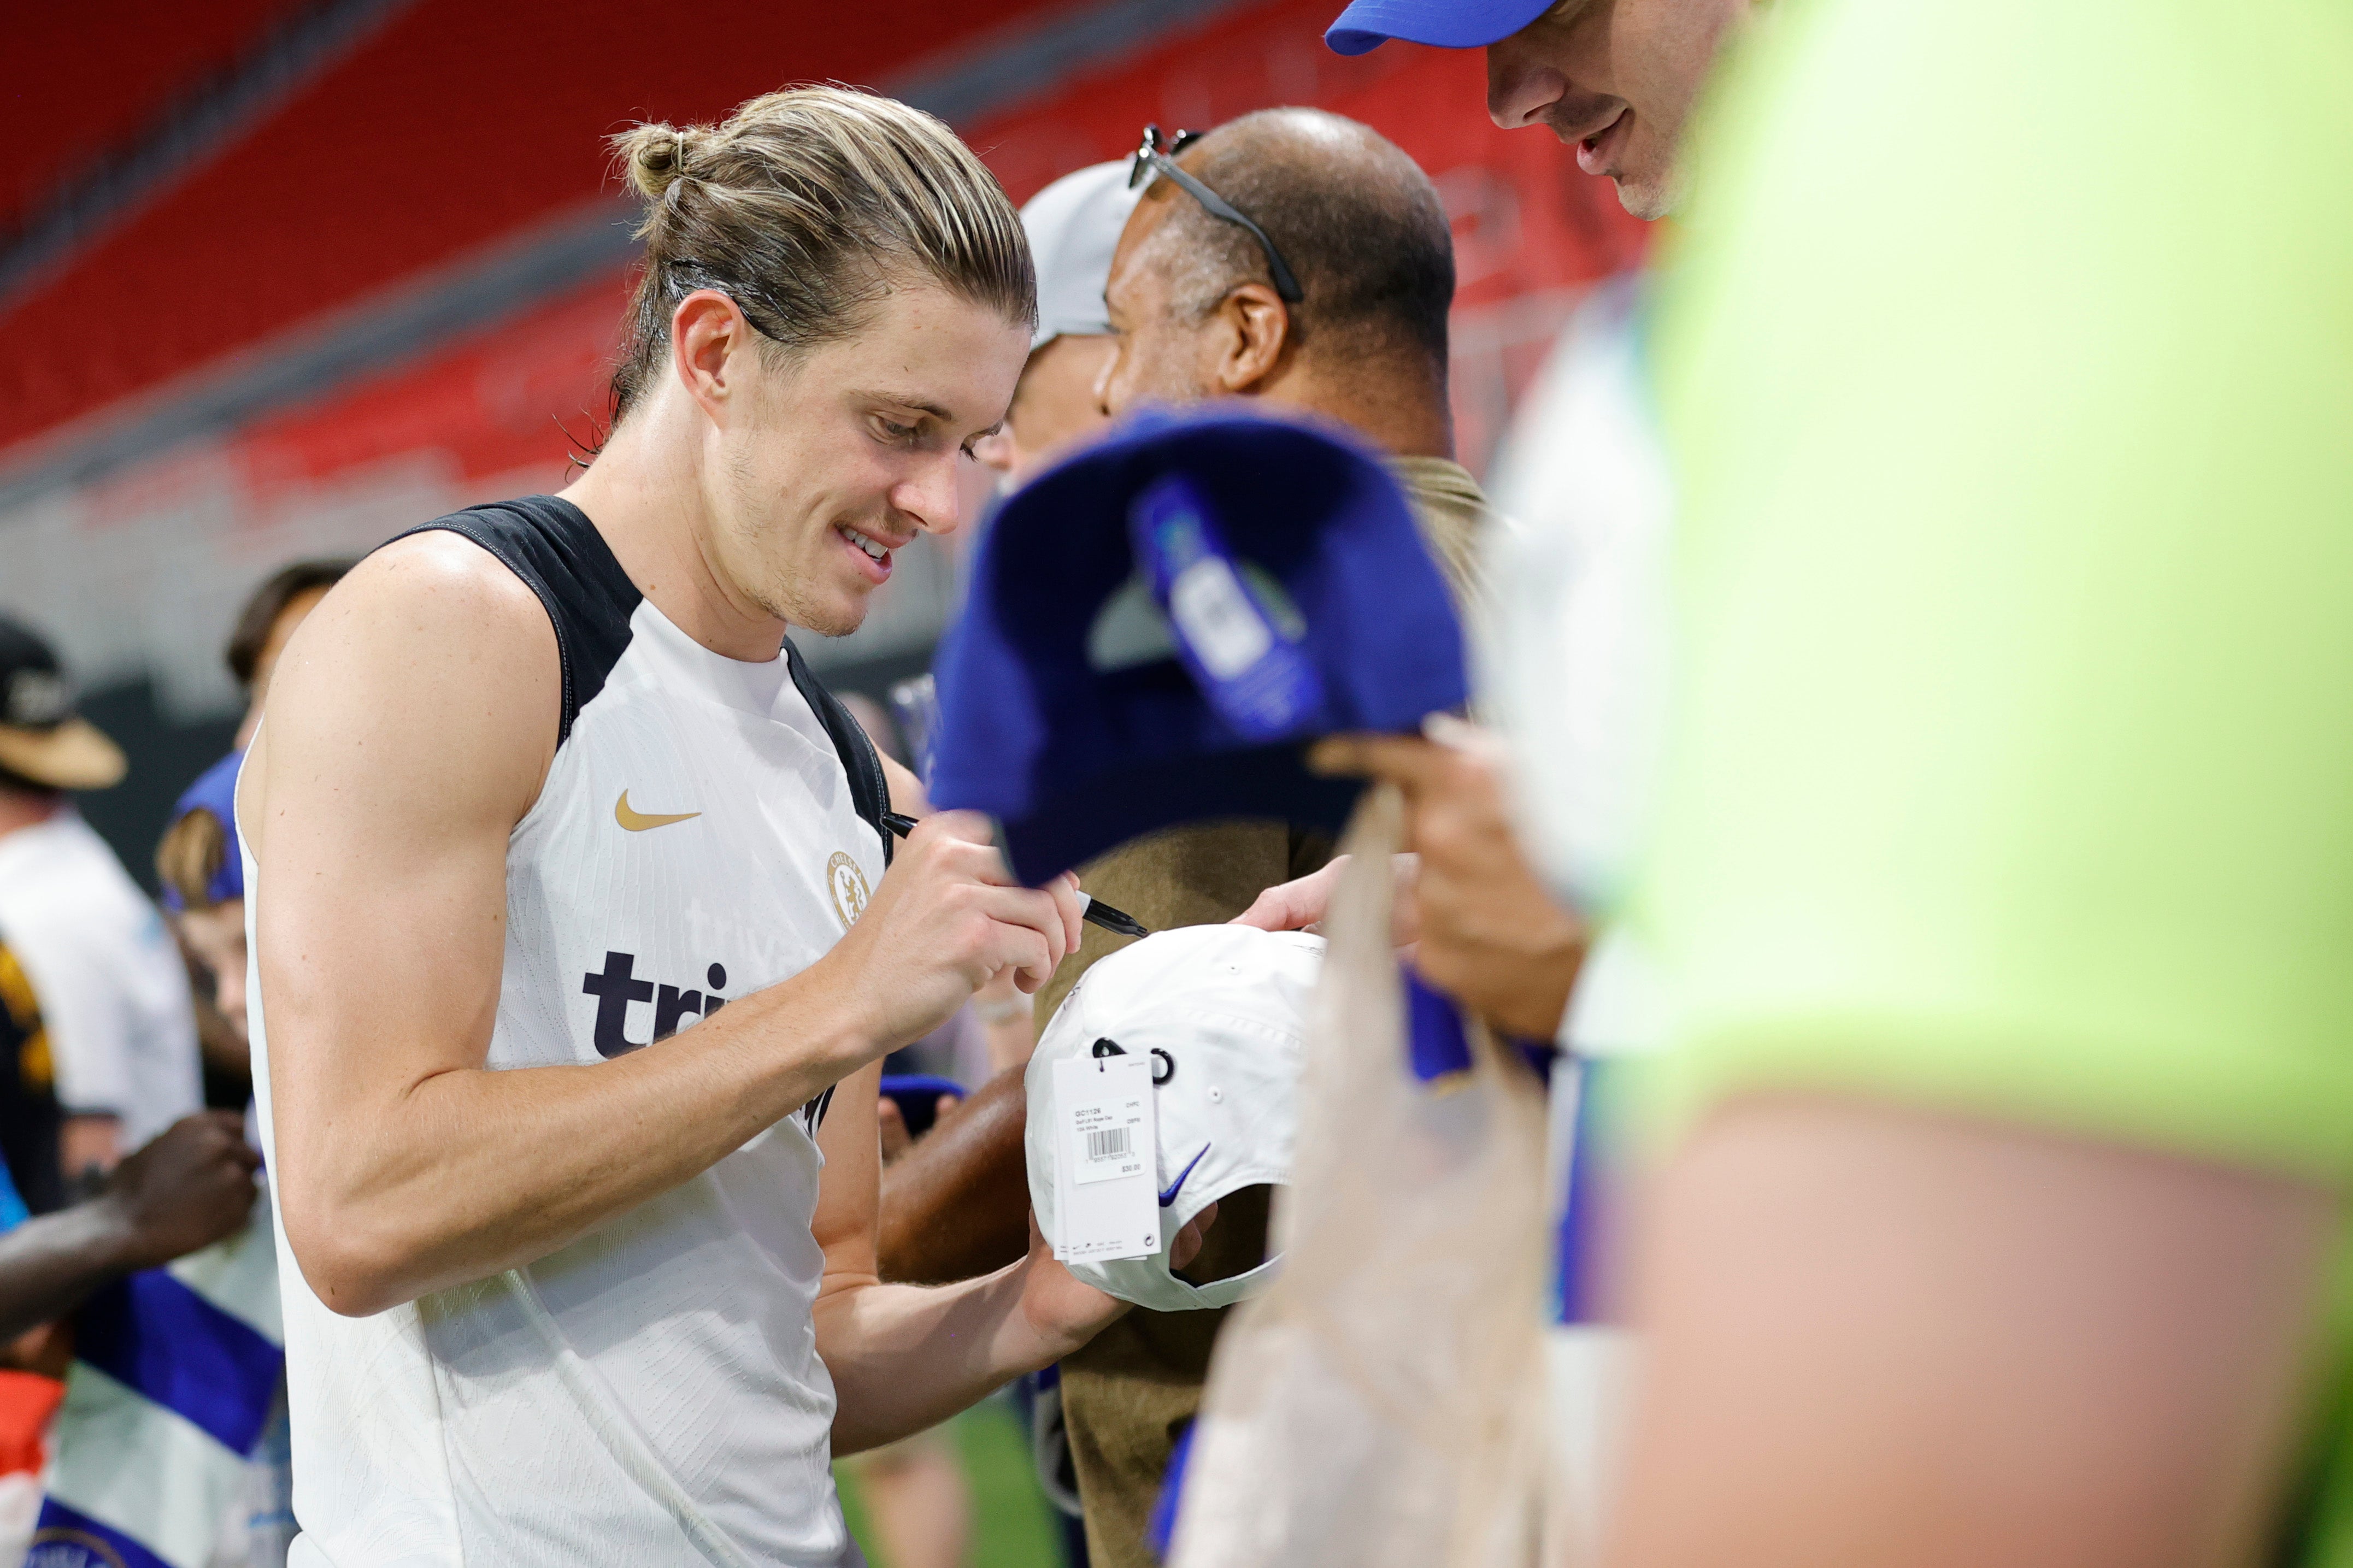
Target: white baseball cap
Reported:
[(1073, 226), (1221, 1011)]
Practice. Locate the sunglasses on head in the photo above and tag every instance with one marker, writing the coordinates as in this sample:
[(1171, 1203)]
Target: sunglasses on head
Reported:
[(1151, 159)]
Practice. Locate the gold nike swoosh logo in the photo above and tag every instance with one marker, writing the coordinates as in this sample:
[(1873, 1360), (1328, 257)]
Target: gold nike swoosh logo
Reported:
[(639, 821)]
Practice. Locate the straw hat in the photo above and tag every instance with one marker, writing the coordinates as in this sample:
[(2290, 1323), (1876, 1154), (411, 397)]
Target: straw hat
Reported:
[(42, 738)]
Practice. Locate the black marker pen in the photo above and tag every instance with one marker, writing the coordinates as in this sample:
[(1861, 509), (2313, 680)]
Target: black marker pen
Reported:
[(1091, 909)]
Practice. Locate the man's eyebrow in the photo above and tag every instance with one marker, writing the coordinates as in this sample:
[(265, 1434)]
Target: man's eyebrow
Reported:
[(904, 401)]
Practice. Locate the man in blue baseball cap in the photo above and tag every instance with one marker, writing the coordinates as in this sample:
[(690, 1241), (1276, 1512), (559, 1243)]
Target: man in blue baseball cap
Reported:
[(1613, 78), (1616, 79)]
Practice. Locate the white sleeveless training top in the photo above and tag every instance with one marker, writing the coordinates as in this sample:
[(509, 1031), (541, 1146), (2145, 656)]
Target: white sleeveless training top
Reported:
[(651, 1394)]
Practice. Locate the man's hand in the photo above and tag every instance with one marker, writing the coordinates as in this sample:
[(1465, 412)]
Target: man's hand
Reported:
[(1302, 904), (1491, 936), (190, 1187), (946, 919), (1063, 1308)]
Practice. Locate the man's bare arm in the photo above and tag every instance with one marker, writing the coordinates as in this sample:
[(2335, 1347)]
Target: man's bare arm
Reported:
[(411, 722), (904, 1357), (956, 1205), (1877, 1338), (192, 1186)]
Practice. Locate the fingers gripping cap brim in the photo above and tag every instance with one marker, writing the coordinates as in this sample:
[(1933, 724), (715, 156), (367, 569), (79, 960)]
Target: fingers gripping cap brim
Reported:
[(1443, 24)]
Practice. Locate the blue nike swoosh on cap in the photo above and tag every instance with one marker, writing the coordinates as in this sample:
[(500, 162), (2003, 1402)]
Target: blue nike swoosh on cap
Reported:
[(1170, 1195)]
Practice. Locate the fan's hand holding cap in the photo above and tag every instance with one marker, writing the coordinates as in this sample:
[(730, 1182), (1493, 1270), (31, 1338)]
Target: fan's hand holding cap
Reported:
[(1366, 25), (1073, 226), (1221, 1013), (1159, 625), (43, 737)]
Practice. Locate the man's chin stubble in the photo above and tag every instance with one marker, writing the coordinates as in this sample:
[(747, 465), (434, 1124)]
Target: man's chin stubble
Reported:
[(1649, 199), (808, 612)]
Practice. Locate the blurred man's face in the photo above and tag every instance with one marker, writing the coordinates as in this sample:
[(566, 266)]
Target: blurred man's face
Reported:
[(1614, 79), (1054, 406), (1158, 355)]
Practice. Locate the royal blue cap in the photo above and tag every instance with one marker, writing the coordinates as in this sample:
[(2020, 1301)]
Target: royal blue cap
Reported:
[(215, 790), (1367, 25), (1079, 710)]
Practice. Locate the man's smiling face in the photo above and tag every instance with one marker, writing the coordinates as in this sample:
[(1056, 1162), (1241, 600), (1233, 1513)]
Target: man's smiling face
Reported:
[(1615, 80), (853, 448)]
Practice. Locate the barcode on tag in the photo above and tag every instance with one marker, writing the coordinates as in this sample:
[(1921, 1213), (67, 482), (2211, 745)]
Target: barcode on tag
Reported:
[(1106, 1136)]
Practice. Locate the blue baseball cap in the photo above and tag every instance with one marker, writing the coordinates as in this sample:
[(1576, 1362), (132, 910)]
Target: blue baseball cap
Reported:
[(215, 790), (1157, 625), (1366, 25)]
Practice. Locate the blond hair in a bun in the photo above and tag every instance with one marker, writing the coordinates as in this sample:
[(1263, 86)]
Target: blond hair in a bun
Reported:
[(804, 206)]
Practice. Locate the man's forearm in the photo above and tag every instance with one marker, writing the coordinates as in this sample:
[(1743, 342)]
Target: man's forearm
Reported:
[(49, 1264), (907, 1357), (474, 1172), (1878, 1336), (955, 1206)]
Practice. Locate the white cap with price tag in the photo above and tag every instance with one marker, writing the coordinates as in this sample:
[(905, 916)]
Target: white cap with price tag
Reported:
[(1167, 1080)]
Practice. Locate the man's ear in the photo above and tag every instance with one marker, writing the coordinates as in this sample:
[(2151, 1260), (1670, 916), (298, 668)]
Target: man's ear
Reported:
[(709, 338), (1258, 331)]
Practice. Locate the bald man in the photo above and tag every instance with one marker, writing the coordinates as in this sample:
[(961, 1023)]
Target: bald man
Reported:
[(1197, 302)]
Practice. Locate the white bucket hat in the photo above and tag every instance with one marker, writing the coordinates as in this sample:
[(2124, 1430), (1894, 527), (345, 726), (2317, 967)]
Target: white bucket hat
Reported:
[(1074, 226), (1221, 1012)]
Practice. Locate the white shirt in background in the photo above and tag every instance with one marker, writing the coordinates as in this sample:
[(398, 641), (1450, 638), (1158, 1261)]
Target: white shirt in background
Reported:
[(1573, 668), (1573, 664), (113, 991)]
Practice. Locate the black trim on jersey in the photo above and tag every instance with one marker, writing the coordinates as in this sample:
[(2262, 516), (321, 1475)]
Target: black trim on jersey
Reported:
[(869, 790), (550, 544)]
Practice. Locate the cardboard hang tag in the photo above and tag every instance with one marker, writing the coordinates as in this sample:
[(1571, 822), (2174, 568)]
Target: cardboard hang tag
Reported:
[(1109, 1157)]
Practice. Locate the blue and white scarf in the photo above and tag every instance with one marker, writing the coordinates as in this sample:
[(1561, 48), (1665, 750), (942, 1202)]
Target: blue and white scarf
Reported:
[(176, 1376)]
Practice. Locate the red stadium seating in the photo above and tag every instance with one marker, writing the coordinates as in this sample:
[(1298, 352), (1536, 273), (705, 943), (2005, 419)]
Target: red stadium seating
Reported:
[(458, 123), (464, 122), (85, 77)]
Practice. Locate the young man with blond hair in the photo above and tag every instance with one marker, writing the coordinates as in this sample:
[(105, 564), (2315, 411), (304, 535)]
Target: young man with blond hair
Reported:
[(579, 1268)]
